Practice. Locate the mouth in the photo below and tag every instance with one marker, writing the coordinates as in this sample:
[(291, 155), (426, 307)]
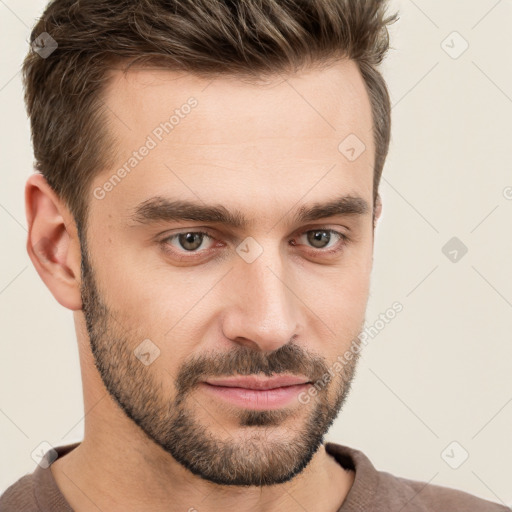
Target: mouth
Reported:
[(257, 393), (257, 383)]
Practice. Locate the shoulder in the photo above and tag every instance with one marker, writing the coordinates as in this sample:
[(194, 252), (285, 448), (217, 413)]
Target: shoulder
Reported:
[(38, 491), (379, 490), (422, 496), (19, 497)]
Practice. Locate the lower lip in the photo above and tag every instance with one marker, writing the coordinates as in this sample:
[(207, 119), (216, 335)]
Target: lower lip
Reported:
[(256, 399)]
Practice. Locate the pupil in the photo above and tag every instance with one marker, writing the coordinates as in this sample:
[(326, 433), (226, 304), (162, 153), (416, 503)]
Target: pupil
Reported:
[(319, 236), (187, 241)]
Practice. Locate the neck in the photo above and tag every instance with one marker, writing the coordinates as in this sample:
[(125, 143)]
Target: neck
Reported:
[(105, 475)]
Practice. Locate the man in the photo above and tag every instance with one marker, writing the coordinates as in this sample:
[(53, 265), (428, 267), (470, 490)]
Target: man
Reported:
[(205, 204)]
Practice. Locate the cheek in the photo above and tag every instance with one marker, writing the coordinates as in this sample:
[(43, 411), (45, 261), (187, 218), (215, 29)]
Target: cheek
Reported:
[(141, 308), (342, 300), (166, 307)]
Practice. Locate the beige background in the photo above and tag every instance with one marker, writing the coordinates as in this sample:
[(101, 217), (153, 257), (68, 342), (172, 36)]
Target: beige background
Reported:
[(441, 371)]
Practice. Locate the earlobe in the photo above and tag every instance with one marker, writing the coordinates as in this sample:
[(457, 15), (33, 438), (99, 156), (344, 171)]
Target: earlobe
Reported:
[(52, 242)]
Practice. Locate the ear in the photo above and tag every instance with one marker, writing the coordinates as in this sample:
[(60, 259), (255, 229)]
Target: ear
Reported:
[(52, 242), (378, 210)]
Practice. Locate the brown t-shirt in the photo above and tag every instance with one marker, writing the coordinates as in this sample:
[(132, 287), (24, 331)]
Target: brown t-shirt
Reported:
[(372, 490)]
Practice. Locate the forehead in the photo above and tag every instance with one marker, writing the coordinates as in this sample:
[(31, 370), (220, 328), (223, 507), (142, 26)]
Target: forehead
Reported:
[(332, 99), (274, 139)]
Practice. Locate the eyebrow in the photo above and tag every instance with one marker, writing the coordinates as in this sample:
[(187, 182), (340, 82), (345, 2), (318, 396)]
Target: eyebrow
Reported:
[(158, 209)]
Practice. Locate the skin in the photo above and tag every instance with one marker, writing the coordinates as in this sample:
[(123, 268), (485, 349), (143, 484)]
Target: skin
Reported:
[(264, 149)]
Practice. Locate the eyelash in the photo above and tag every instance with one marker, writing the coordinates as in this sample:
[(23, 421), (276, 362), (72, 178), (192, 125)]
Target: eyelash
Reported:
[(191, 255)]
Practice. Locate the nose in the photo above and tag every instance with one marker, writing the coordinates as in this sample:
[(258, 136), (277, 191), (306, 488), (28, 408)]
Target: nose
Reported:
[(262, 311)]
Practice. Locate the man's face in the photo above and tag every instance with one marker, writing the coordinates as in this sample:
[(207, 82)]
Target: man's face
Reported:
[(171, 303)]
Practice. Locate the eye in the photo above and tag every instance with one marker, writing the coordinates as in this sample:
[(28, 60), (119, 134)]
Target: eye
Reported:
[(188, 241), (320, 239), (189, 245)]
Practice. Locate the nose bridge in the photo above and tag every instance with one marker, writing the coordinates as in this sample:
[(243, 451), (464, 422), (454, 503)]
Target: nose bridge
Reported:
[(263, 308)]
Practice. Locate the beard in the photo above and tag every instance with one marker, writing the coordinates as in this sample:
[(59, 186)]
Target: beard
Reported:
[(248, 456)]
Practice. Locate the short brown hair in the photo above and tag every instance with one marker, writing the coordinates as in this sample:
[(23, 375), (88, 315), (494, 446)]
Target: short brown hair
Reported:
[(246, 38)]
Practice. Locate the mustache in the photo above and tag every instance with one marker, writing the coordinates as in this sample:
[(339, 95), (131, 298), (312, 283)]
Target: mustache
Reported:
[(289, 358)]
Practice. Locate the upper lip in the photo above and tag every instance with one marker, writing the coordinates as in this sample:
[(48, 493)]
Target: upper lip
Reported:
[(253, 382)]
